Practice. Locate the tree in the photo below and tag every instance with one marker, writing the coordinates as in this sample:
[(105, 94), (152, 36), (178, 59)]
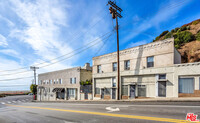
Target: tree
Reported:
[(33, 88)]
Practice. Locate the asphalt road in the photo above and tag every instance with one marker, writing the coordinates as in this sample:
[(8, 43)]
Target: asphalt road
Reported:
[(89, 112)]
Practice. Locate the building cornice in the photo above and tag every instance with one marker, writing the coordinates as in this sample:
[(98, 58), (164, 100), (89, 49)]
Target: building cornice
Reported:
[(138, 48)]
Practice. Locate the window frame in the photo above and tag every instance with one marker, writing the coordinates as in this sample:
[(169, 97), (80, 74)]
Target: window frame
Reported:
[(149, 66), (113, 68), (99, 69), (125, 63)]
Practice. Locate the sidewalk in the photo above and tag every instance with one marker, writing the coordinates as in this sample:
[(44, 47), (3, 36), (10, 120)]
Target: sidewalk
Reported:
[(160, 99)]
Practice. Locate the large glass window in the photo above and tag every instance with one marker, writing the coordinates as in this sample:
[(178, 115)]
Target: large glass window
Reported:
[(98, 68), (125, 90), (107, 91), (113, 82), (127, 65), (150, 61), (71, 92), (141, 90), (186, 85), (115, 66), (97, 90)]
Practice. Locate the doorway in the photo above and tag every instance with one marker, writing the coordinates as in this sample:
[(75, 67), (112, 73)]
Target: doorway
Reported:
[(162, 89), (132, 91), (102, 93), (113, 93)]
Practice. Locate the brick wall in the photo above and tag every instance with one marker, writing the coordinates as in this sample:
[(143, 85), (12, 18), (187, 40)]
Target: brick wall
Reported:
[(195, 94), (124, 97), (97, 95), (107, 97)]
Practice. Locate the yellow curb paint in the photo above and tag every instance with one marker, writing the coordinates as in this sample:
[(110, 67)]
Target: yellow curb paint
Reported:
[(108, 114)]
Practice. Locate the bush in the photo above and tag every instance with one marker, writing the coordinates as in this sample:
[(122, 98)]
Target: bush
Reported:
[(195, 22), (163, 33), (176, 29), (168, 35), (172, 31), (183, 28), (182, 37), (33, 89), (198, 36)]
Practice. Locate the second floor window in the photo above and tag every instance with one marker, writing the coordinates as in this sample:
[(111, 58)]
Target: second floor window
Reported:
[(115, 66), (60, 81), (72, 80), (98, 68), (127, 65), (150, 61)]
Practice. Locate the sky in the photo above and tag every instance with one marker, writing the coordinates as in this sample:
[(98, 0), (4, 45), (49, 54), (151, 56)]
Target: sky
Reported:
[(60, 34)]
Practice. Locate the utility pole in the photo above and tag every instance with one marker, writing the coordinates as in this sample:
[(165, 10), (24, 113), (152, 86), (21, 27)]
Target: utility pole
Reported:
[(34, 69), (115, 14)]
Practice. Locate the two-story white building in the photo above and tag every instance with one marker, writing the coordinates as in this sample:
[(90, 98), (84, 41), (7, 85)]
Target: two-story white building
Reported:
[(150, 70)]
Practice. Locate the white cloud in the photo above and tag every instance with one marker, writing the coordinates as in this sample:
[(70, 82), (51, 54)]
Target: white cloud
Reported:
[(43, 20), (9, 52), (3, 41), (134, 44)]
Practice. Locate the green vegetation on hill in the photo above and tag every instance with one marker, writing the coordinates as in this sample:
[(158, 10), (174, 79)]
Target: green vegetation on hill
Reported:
[(181, 35), (198, 36)]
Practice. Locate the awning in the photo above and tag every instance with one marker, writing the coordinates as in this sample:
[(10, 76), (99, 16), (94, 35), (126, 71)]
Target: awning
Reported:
[(57, 89), (162, 80)]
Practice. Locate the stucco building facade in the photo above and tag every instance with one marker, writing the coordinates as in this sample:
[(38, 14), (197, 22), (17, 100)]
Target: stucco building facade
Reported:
[(63, 84), (150, 70)]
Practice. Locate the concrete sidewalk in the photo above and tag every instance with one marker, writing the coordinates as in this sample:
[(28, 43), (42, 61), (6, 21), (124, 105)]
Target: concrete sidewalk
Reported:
[(160, 99)]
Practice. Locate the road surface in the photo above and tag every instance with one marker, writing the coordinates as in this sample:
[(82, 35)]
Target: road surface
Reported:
[(90, 112)]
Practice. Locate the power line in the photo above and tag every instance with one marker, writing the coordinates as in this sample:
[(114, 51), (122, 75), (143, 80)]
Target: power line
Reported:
[(96, 40), (59, 60), (100, 48), (73, 54), (16, 78)]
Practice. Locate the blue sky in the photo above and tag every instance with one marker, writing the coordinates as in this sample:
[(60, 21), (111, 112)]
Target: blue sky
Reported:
[(35, 31)]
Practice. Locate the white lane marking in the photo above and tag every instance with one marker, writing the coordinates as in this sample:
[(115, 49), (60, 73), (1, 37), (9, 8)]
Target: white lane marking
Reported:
[(27, 99), (14, 101), (8, 102), (19, 101), (23, 100), (112, 109), (3, 103)]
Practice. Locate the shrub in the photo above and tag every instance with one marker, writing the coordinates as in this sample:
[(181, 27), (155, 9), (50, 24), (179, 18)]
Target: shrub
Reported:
[(198, 36), (195, 22), (33, 88), (183, 28), (163, 33), (168, 35), (176, 29), (182, 37), (172, 31)]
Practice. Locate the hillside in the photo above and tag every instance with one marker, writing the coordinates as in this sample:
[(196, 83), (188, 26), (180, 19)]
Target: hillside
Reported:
[(186, 40)]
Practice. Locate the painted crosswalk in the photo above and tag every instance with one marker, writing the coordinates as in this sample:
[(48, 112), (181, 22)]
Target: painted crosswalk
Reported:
[(15, 101)]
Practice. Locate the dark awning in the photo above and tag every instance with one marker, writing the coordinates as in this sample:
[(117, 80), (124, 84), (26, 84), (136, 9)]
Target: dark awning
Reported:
[(57, 89)]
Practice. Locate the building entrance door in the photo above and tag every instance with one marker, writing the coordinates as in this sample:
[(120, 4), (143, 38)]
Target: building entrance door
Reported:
[(114, 93), (162, 89), (102, 93), (132, 91)]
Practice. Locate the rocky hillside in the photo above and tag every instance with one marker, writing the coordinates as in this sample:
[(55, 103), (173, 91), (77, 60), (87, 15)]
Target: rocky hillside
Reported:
[(186, 40)]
